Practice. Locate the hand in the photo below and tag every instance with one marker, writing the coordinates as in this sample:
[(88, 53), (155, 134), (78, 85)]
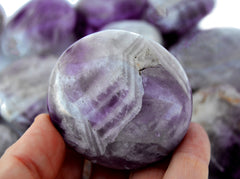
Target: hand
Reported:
[(42, 154)]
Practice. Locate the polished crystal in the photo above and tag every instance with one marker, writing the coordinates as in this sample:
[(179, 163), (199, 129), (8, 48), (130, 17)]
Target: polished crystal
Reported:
[(119, 99)]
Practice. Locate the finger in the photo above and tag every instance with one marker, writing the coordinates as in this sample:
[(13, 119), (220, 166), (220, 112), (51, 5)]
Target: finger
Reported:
[(87, 169), (155, 171), (191, 158), (39, 153), (107, 173), (72, 167)]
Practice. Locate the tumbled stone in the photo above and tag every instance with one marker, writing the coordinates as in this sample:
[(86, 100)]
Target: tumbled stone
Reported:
[(101, 12), (217, 109), (23, 90), (119, 99), (137, 26), (40, 27), (177, 16), (210, 57)]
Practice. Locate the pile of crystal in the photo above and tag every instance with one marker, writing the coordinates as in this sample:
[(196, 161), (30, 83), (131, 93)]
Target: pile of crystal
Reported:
[(49, 27), (119, 99), (217, 109), (172, 18), (40, 27), (210, 57), (23, 90), (137, 26)]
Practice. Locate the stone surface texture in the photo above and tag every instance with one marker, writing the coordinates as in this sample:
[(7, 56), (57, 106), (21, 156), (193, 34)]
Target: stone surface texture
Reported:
[(40, 27), (101, 12), (23, 90), (119, 99), (137, 26), (210, 57), (217, 109), (177, 16)]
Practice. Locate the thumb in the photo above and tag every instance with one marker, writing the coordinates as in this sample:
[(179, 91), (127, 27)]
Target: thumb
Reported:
[(39, 153)]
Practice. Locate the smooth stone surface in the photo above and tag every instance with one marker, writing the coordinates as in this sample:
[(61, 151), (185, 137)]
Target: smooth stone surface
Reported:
[(4, 62), (23, 90), (119, 99), (177, 16), (101, 12), (210, 57), (137, 26), (217, 109), (40, 27)]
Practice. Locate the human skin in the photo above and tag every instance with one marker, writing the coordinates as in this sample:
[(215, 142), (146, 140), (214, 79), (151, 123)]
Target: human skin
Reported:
[(42, 153)]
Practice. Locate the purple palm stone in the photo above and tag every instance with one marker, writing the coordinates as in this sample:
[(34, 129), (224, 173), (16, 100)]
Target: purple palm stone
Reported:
[(177, 16), (119, 99), (210, 57), (23, 90), (218, 110), (40, 27)]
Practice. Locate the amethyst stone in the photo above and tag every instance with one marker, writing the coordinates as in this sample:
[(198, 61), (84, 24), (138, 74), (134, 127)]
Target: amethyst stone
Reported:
[(101, 12), (218, 110), (137, 26), (210, 57), (40, 27), (23, 90), (177, 16), (120, 100)]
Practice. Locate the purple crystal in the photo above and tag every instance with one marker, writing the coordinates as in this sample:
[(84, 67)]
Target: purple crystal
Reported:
[(102, 12), (119, 99), (218, 110), (177, 16), (137, 26), (40, 27), (210, 57), (23, 90)]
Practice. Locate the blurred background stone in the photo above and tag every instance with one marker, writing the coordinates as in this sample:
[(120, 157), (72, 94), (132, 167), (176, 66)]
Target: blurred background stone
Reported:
[(210, 57), (23, 90), (137, 26), (217, 109)]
